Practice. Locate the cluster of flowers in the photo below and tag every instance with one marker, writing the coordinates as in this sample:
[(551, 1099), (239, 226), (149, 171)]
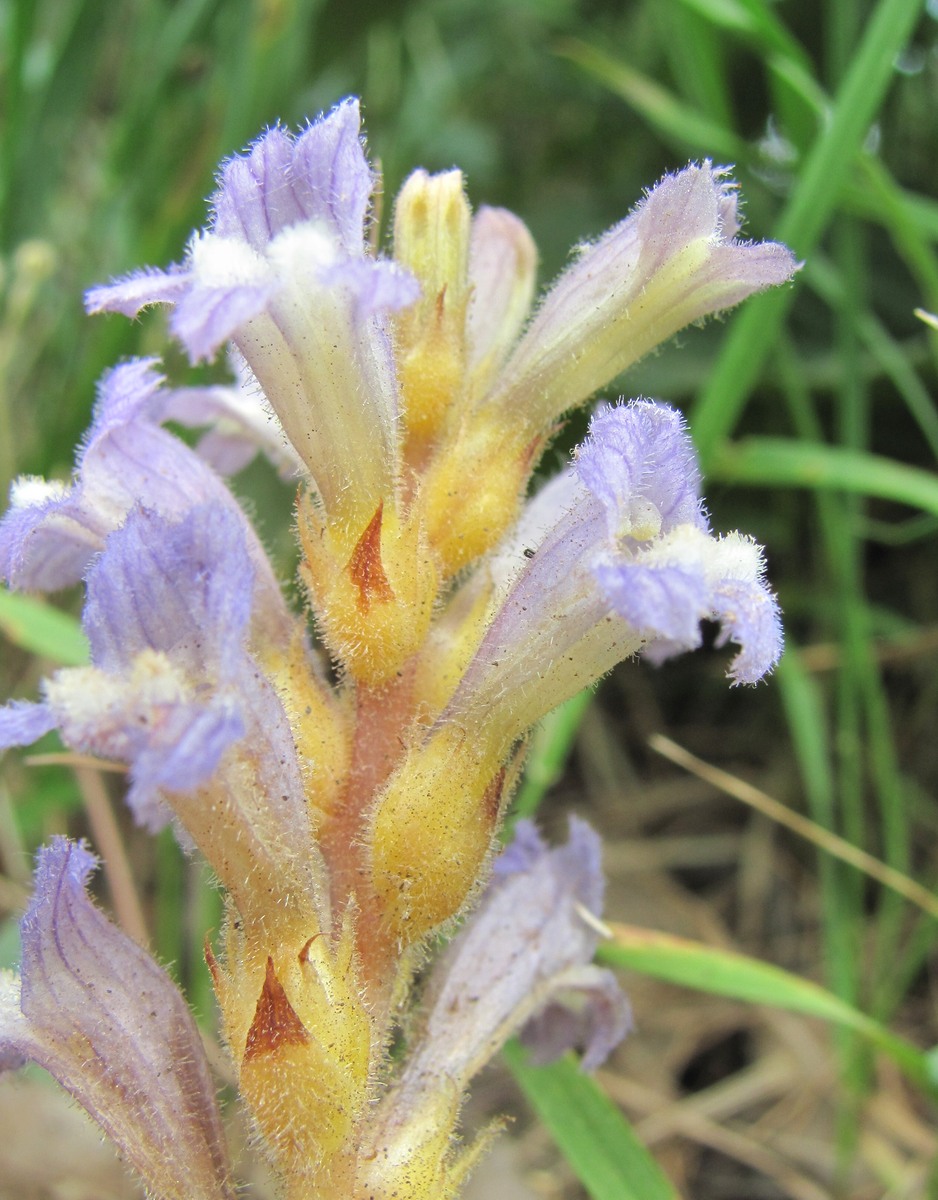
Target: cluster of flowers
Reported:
[(352, 816)]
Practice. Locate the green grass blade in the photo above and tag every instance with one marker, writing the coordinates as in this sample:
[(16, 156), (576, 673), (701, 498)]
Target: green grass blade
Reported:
[(677, 123), (696, 55), (783, 462), (166, 36), (726, 973), (919, 213), (898, 212), (789, 64), (35, 626), (892, 357), (752, 22), (600, 1145), (805, 217)]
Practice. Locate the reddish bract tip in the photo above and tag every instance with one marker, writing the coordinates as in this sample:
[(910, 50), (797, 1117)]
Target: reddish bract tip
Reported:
[(275, 1021), (365, 566)]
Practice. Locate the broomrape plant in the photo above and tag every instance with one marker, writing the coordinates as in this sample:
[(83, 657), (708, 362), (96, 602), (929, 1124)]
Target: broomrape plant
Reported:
[(351, 822)]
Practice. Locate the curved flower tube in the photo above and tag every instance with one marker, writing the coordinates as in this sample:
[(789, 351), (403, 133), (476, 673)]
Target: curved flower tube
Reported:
[(617, 559)]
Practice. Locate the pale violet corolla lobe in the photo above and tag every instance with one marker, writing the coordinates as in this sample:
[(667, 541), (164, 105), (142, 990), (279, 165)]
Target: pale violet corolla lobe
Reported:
[(526, 948), (175, 693), (157, 694), (237, 424), (660, 568), (52, 531)]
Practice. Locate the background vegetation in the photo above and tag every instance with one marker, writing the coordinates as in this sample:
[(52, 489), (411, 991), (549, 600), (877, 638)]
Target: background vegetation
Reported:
[(813, 410)]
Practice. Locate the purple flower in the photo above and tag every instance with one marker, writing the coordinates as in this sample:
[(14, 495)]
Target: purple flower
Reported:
[(283, 271), (522, 962), (673, 261), (528, 950), (175, 693), (240, 422), (97, 1012), (51, 532), (612, 558), (661, 569)]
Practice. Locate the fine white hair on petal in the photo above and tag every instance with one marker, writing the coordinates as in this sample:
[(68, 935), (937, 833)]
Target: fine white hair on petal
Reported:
[(27, 491), (225, 262)]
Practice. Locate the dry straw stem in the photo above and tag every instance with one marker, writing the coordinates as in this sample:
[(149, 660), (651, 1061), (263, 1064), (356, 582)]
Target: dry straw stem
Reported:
[(829, 842), (117, 868)]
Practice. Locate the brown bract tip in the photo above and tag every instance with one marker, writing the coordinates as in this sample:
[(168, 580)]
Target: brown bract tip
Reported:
[(212, 963), (275, 1022), (365, 566), (492, 799)]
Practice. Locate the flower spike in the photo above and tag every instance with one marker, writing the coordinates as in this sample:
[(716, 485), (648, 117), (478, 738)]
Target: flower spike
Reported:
[(352, 817)]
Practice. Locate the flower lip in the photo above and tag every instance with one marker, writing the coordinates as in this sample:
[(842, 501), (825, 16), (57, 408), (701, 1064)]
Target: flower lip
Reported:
[(639, 463), (613, 558)]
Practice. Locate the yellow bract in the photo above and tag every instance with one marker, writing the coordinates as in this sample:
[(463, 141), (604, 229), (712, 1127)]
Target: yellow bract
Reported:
[(375, 596), (473, 490), (433, 828), (425, 1162), (296, 1025), (319, 726), (431, 239)]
